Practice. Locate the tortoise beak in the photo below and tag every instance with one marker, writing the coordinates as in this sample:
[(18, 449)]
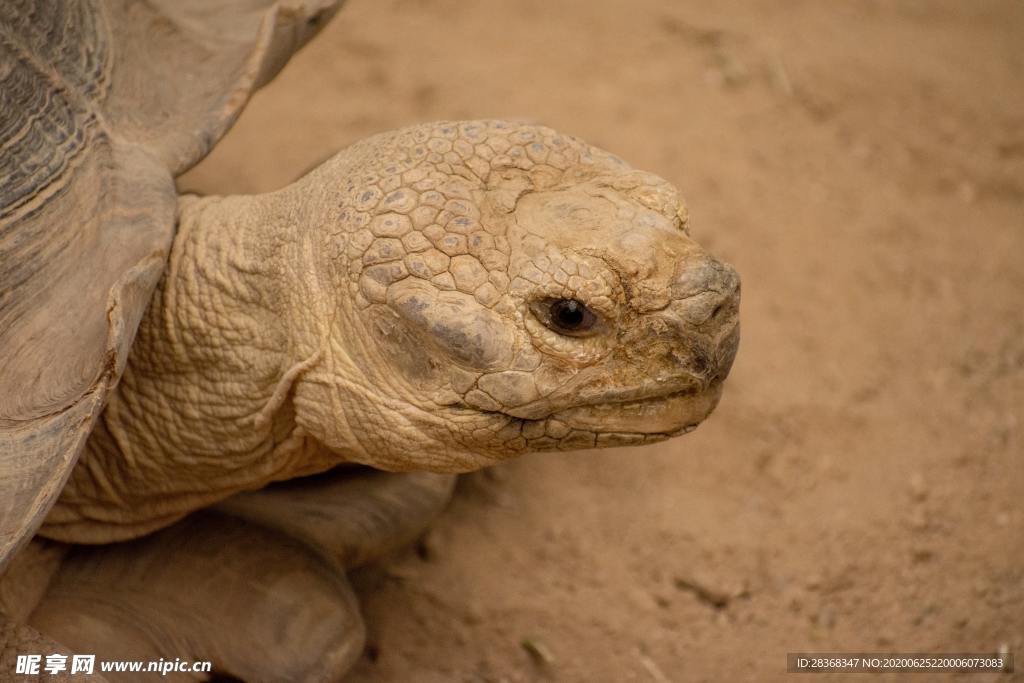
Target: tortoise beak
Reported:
[(704, 318)]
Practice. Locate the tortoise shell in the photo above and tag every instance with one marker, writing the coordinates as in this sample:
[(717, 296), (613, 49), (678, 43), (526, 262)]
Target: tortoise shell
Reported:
[(102, 103)]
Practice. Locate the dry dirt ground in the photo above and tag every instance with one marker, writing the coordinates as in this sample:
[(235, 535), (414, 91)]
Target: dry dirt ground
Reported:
[(860, 485)]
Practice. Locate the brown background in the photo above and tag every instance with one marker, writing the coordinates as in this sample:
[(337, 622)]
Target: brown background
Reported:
[(860, 485)]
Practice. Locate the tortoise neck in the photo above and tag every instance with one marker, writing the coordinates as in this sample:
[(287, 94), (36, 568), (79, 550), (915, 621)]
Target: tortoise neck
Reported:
[(203, 409)]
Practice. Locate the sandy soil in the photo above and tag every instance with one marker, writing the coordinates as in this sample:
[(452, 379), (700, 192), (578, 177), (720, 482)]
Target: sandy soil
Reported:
[(860, 485)]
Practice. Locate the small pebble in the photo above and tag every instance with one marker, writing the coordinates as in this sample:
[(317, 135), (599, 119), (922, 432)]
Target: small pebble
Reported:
[(538, 652)]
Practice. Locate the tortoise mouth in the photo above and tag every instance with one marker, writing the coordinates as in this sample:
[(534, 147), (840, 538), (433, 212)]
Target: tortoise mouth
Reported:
[(670, 414)]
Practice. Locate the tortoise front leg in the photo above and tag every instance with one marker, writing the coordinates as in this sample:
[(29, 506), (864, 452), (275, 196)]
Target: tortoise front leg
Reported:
[(256, 585), (259, 605)]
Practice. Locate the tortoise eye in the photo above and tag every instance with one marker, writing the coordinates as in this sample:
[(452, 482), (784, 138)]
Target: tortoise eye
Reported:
[(569, 317)]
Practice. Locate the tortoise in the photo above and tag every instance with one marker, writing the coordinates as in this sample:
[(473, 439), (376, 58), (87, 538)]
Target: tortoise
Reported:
[(245, 396)]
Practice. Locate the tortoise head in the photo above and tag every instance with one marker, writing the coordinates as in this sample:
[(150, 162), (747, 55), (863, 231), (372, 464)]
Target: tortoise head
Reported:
[(508, 289)]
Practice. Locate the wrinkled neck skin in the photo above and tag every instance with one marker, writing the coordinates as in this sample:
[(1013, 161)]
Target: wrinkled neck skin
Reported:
[(204, 408)]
